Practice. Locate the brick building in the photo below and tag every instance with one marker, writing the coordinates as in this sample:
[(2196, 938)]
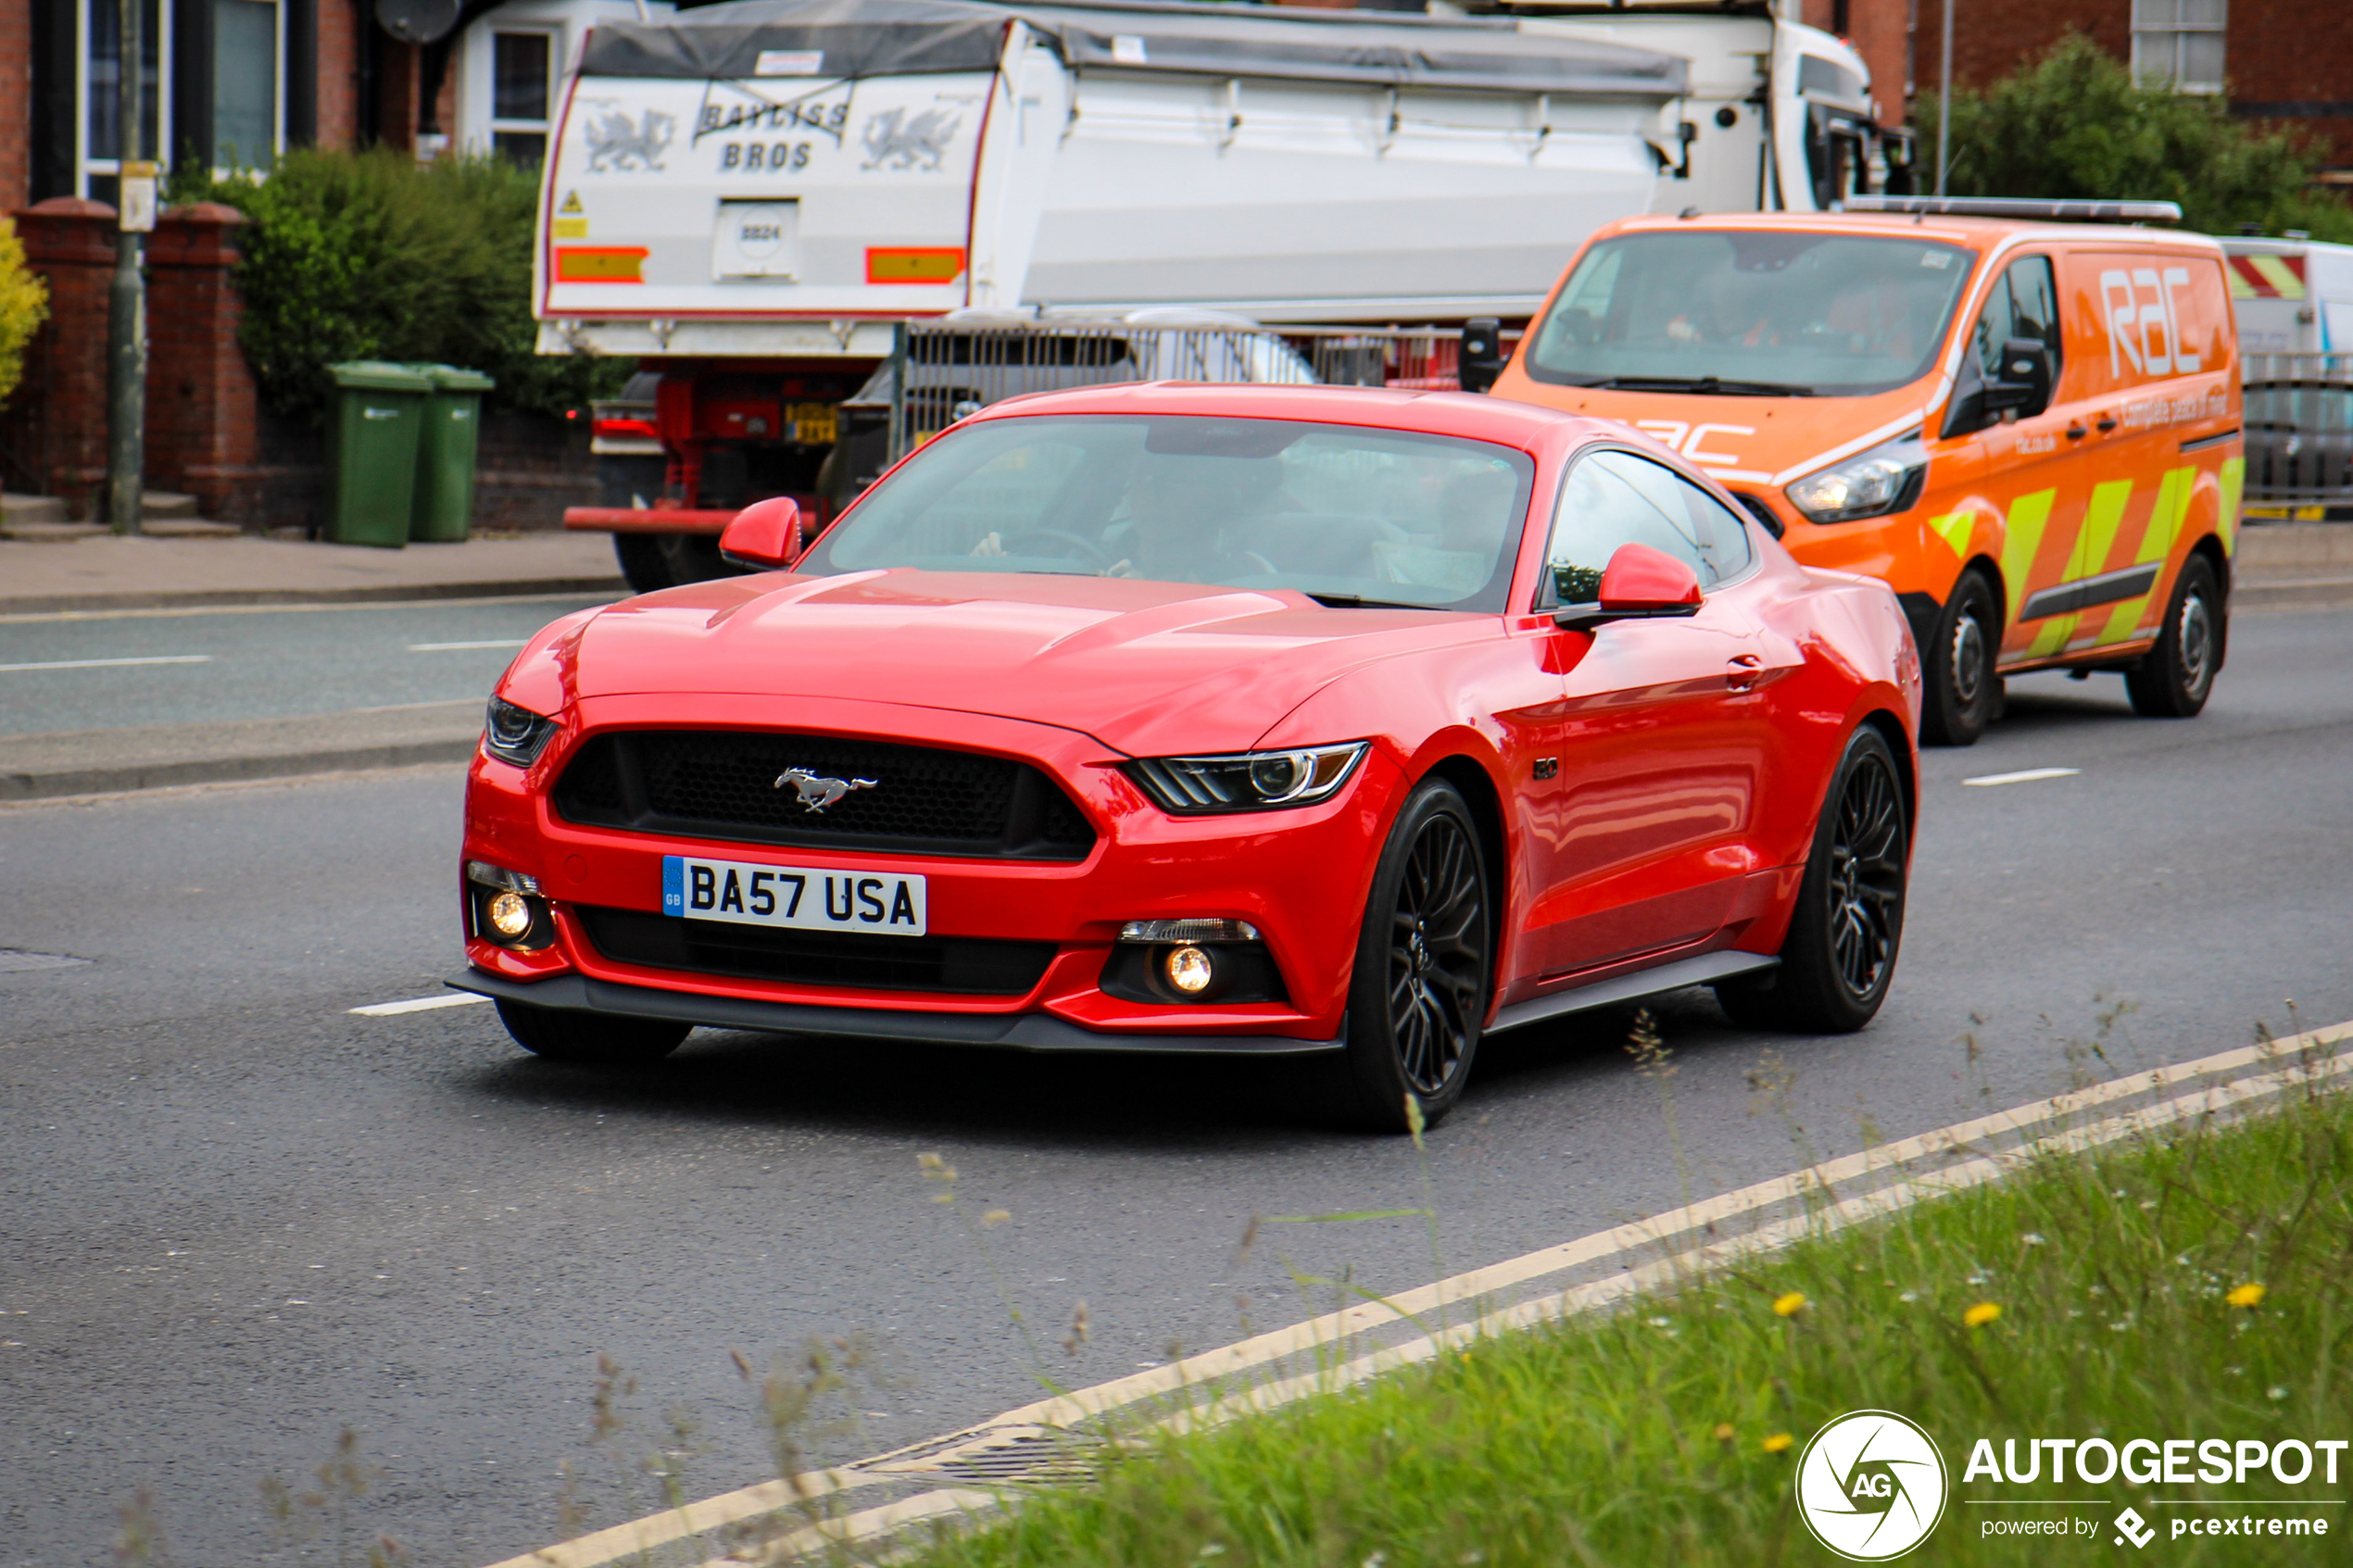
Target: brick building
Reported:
[(2287, 63)]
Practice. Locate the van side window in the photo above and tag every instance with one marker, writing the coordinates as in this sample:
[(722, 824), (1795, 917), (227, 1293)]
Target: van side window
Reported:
[(1612, 499), (2024, 303)]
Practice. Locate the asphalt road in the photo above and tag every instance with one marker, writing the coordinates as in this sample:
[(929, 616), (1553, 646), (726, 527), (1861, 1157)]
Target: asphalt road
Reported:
[(101, 671), (235, 1219)]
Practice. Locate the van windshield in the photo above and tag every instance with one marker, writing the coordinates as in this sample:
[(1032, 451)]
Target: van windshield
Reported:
[(1773, 313)]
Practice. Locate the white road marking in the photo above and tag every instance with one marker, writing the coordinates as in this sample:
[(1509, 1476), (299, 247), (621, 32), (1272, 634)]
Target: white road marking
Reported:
[(2247, 1076), (456, 647), (420, 1004), (2027, 777), (112, 663)]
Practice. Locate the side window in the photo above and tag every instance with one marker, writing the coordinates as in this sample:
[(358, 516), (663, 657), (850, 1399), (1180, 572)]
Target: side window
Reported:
[(1613, 498), (2024, 303)]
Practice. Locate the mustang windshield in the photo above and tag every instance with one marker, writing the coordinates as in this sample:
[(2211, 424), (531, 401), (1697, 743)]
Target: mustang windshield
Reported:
[(1771, 313), (1345, 514)]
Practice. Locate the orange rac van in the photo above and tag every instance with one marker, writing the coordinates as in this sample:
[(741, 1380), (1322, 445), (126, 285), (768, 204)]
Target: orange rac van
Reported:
[(2030, 428)]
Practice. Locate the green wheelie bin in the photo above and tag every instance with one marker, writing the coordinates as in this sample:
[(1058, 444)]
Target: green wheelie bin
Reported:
[(371, 472), (443, 507)]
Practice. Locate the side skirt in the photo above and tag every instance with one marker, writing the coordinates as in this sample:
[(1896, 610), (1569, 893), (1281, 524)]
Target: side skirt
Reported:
[(1703, 969)]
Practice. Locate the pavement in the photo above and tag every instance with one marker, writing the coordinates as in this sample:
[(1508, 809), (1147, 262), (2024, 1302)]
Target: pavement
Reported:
[(236, 1218), (138, 607)]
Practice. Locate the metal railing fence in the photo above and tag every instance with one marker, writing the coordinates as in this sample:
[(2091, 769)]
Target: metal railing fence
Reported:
[(940, 372), (2299, 427)]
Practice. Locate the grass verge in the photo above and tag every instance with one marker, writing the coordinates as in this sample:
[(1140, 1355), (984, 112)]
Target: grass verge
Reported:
[(2105, 1294)]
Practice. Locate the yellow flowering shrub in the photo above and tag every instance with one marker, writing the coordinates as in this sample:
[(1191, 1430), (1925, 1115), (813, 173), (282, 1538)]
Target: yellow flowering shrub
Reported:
[(24, 304)]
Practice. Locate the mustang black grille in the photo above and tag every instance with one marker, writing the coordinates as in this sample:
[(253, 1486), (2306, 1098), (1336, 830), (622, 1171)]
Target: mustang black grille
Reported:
[(968, 966), (722, 783)]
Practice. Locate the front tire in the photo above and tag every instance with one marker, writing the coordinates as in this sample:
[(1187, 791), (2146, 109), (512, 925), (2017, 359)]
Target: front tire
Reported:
[(1840, 955), (1964, 695), (2176, 677), (652, 561), (1423, 967), (592, 1038)]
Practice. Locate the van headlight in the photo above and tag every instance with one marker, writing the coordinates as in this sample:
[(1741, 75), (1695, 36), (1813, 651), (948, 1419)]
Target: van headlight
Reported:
[(1247, 781), (1886, 479)]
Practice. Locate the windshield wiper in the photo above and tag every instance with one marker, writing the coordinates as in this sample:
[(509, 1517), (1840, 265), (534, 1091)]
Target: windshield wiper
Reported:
[(1358, 601), (1706, 386)]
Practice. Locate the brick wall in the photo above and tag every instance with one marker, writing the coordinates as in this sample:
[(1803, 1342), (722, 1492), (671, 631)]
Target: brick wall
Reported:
[(2295, 58), (1993, 38), (54, 430), (338, 79), (16, 104), (202, 407), (1879, 31)]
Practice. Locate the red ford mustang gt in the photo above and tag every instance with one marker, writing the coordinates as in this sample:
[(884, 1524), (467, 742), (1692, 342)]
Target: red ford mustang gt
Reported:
[(1210, 718)]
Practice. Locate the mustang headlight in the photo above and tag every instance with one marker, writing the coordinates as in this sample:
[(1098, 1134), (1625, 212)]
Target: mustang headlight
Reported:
[(1247, 781), (1885, 479), (516, 734)]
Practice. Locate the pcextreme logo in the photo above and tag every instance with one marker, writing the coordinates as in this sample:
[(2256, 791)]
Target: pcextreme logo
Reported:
[(1871, 1486)]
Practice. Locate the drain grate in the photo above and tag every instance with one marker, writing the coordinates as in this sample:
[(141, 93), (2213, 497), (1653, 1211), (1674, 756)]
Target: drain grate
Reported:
[(1031, 1456), (16, 960)]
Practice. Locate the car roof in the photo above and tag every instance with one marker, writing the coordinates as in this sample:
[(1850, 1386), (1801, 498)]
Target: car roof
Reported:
[(1976, 234), (1469, 415)]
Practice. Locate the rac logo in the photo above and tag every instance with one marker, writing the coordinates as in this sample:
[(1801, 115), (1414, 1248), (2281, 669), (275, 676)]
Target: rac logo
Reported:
[(2143, 327), (1690, 439)]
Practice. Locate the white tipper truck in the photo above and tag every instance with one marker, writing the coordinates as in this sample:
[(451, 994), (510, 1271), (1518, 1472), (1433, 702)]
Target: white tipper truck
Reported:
[(747, 198)]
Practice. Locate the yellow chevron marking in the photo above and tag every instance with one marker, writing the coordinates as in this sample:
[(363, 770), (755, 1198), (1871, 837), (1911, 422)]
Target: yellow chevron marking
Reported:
[(2277, 273), (2052, 637), (2240, 287), (2100, 523), (2233, 478), (2022, 536), (1955, 529), (2165, 521)]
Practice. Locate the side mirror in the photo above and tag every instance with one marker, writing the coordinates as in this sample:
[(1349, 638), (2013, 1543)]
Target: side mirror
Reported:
[(2026, 379), (764, 535), (1640, 583), (1482, 358)]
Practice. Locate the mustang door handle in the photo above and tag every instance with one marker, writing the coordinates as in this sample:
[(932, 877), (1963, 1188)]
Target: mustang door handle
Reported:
[(1743, 674)]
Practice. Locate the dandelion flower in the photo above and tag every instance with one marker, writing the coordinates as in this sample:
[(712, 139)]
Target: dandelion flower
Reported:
[(2275, 1392), (2032, 1240), (1723, 1431), (1909, 1297), (1981, 1314), (2247, 1295), (1778, 1442), (1788, 1306)]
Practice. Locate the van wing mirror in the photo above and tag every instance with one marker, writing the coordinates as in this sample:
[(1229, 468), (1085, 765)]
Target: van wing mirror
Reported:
[(2026, 379), (1640, 583), (1482, 357), (764, 535)]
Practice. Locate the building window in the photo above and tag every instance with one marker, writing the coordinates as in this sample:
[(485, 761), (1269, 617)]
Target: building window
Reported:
[(522, 93), (2178, 44), (246, 47), (99, 162)]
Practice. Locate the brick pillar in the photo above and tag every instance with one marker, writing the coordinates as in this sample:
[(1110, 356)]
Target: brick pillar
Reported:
[(202, 406), (55, 428)]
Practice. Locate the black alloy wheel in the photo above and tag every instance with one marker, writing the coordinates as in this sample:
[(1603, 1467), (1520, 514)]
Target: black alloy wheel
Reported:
[(1419, 997), (1840, 955), (2177, 676), (1964, 694), (654, 561)]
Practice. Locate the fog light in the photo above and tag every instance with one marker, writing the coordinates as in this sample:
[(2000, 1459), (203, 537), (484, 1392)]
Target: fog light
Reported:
[(1189, 970), (509, 916)]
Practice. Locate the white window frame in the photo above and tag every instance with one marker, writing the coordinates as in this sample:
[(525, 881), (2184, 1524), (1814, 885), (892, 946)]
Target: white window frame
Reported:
[(546, 128), (86, 166), (2168, 38)]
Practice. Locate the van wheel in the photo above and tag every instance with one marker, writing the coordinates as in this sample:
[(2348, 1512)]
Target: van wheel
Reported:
[(2174, 680), (1840, 955), (1419, 995), (1964, 694), (590, 1038)]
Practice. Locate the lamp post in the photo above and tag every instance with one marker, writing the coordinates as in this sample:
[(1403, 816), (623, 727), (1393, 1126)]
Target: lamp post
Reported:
[(1944, 95), (127, 297)]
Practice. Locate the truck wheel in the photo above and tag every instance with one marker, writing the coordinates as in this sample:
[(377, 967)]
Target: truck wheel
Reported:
[(669, 561), (2173, 681), (592, 1037), (1964, 694), (1840, 955)]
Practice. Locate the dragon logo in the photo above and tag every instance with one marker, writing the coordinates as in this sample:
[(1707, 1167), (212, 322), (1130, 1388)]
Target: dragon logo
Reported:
[(892, 141), (617, 142), (814, 791)]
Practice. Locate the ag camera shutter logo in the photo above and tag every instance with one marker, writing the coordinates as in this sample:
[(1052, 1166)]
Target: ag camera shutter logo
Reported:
[(1872, 1486)]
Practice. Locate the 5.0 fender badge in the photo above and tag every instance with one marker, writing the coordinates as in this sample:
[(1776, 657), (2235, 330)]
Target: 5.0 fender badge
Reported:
[(814, 791)]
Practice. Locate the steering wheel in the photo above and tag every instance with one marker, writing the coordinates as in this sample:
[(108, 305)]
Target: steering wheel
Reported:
[(1086, 549)]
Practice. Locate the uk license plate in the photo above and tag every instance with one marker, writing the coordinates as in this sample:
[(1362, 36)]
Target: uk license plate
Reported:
[(798, 897)]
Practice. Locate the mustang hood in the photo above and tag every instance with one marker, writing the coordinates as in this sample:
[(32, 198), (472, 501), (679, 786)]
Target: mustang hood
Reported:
[(1144, 667)]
